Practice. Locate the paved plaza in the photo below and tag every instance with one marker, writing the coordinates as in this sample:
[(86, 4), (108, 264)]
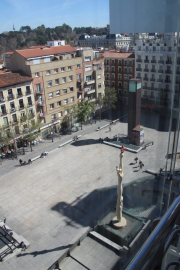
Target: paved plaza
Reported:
[(55, 200)]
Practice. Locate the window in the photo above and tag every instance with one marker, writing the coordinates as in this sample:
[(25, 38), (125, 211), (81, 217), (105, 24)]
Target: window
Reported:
[(78, 66), (70, 78), (64, 91), (52, 106), (49, 83), (48, 72), (72, 99), (56, 81), (88, 78), (99, 76), (60, 114), (99, 94), (63, 69), (69, 68), (56, 70), (88, 68), (99, 85), (66, 112), (87, 58), (59, 103), (71, 89), (37, 74), (64, 79), (53, 116), (36, 61), (58, 92), (79, 77), (5, 121), (65, 101), (51, 95), (60, 57)]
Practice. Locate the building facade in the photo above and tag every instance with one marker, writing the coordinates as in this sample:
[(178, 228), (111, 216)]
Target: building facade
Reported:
[(155, 60), (113, 41), (119, 69), (16, 99)]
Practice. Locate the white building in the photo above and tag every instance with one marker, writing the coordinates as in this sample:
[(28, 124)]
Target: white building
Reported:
[(155, 60), (56, 43), (114, 40)]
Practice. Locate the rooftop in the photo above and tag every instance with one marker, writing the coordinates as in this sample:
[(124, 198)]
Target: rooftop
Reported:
[(46, 51), (118, 55), (11, 78)]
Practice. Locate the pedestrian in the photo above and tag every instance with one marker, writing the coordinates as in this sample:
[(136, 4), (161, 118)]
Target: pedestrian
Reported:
[(140, 162), (20, 161), (109, 129), (136, 159), (23, 246), (141, 165)]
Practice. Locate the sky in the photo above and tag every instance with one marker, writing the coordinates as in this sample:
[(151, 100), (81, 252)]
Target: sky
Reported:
[(75, 13)]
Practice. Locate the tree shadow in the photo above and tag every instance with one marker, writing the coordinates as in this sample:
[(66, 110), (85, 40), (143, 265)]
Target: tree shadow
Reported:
[(84, 142), (36, 253), (131, 163), (136, 171)]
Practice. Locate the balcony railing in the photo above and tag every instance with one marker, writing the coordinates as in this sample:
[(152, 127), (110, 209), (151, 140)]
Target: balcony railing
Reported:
[(41, 102), (10, 96), (29, 104), (160, 62), (168, 71), (39, 91), (146, 70), (153, 61), (167, 81), (160, 71), (139, 60), (21, 107), (19, 95), (153, 70), (138, 69), (159, 80), (138, 77), (146, 61), (28, 92), (2, 100), (169, 62), (145, 79), (12, 110), (90, 82), (4, 112), (42, 114)]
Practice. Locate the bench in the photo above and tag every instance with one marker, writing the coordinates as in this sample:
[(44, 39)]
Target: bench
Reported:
[(105, 240)]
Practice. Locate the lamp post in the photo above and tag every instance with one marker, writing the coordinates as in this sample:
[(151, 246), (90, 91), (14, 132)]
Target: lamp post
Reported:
[(52, 131), (13, 138)]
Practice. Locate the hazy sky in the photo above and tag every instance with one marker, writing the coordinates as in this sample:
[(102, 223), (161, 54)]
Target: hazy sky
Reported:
[(51, 13)]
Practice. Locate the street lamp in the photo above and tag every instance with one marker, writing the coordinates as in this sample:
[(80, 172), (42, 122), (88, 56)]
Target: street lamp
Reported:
[(52, 131)]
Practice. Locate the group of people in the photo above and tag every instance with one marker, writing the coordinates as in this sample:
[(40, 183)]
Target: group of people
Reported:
[(140, 163), (44, 154), (24, 162)]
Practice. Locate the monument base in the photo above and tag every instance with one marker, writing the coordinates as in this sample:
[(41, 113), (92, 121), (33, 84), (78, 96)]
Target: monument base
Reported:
[(119, 224)]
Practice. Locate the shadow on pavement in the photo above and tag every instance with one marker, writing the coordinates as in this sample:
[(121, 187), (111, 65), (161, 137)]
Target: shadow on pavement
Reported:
[(85, 142)]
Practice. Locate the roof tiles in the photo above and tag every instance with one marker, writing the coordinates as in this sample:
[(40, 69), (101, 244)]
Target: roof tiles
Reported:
[(118, 55), (11, 78)]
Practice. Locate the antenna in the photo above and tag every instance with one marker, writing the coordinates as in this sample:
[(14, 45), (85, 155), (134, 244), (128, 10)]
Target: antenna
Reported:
[(13, 27)]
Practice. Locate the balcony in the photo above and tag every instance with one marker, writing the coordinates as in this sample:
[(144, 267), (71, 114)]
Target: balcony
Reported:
[(169, 62), (153, 70), (90, 82), (19, 95), (167, 90), (119, 64), (90, 91), (159, 80), (10, 96), (31, 115), (12, 110), (28, 92), (39, 91), (168, 71), (138, 77), (146, 61), (145, 79), (4, 112), (42, 114), (152, 88), (29, 104), (113, 71), (2, 100), (153, 61), (21, 107), (138, 69), (160, 71), (41, 102), (152, 79), (146, 70), (167, 81), (79, 90), (178, 72), (139, 60), (160, 62)]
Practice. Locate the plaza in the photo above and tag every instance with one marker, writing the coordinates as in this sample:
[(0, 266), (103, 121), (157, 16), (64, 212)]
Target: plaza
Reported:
[(55, 201)]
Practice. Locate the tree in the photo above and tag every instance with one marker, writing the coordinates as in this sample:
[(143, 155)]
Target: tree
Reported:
[(82, 111), (110, 98)]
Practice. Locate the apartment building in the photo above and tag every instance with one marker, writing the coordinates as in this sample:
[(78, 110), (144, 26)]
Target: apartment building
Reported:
[(155, 60), (16, 99), (91, 78), (110, 40), (119, 69), (53, 70)]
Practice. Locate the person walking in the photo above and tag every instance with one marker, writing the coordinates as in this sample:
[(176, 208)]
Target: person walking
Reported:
[(141, 166), (109, 129), (136, 159)]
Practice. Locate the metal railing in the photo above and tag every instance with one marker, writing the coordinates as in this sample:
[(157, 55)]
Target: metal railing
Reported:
[(156, 242)]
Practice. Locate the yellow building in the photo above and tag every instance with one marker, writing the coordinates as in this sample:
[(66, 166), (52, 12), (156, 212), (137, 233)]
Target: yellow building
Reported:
[(16, 99)]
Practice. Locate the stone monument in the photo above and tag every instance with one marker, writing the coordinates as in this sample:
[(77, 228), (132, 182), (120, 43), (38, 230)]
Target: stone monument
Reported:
[(119, 221)]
